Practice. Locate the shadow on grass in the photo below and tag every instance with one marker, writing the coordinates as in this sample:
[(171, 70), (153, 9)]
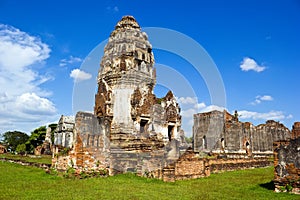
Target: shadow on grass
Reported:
[(268, 186)]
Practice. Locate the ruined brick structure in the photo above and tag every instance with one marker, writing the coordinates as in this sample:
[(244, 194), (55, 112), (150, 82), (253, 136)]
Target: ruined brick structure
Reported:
[(221, 132), (64, 133), (296, 130), (2, 149), (287, 163), (46, 147), (131, 129), (125, 86)]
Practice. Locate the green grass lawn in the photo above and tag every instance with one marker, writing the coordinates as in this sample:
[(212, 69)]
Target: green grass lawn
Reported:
[(21, 182)]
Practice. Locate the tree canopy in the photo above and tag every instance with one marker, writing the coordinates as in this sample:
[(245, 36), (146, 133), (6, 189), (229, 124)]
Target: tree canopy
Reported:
[(11, 139), (36, 138), (17, 141)]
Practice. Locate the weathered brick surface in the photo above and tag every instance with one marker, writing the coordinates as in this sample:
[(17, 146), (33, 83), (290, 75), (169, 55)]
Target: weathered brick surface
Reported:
[(221, 132), (296, 130), (287, 165), (2, 149), (190, 166), (220, 165)]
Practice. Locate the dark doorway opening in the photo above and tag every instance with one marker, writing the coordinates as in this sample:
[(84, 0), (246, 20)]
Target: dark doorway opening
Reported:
[(204, 142), (170, 132), (142, 125)]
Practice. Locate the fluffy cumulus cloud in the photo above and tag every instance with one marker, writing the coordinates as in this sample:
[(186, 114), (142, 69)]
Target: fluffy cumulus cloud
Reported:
[(22, 100), (70, 60), (79, 75), (250, 64), (272, 115), (259, 99), (33, 104), (187, 100)]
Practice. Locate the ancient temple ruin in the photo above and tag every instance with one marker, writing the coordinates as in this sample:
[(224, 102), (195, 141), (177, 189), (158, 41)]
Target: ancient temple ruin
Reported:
[(131, 129), (221, 132)]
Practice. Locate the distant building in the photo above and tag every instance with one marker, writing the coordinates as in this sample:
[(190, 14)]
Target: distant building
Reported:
[(218, 131), (64, 133)]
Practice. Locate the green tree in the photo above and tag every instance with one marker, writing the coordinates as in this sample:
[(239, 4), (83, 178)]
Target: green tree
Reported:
[(189, 139), (36, 138), (21, 149), (12, 139)]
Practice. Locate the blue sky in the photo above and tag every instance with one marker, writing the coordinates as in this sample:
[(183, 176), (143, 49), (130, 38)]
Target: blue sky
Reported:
[(254, 44)]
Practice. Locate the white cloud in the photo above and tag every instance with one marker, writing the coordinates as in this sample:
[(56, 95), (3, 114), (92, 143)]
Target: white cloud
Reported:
[(188, 113), (187, 100), (70, 60), (116, 9), (266, 98), (289, 116), (250, 64), (18, 49), (212, 108), (272, 115), (113, 9), (200, 105), (79, 75), (30, 103), (259, 99), (23, 101)]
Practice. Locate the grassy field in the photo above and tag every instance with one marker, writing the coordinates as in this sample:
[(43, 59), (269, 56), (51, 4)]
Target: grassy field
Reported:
[(20, 182)]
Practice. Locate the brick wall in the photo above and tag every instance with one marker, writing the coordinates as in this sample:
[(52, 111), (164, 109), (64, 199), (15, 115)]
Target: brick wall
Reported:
[(220, 165), (287, 165), (190, 166)]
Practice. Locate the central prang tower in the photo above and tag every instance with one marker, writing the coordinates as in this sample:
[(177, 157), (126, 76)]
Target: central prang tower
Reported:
[(130, 129), (126, 78)]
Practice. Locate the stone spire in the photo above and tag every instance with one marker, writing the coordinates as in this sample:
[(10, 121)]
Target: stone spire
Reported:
[(127, 22), (128, 50), (127, 64)]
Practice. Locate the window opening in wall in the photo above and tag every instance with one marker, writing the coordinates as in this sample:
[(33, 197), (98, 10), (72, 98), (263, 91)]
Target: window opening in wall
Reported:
[(247, 144), (142, 125), (123, 64), (67, 140), (88, 140), (170, 132), (248, 147), (204, 142), (98, 140), (222, 143), (92, 140)]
